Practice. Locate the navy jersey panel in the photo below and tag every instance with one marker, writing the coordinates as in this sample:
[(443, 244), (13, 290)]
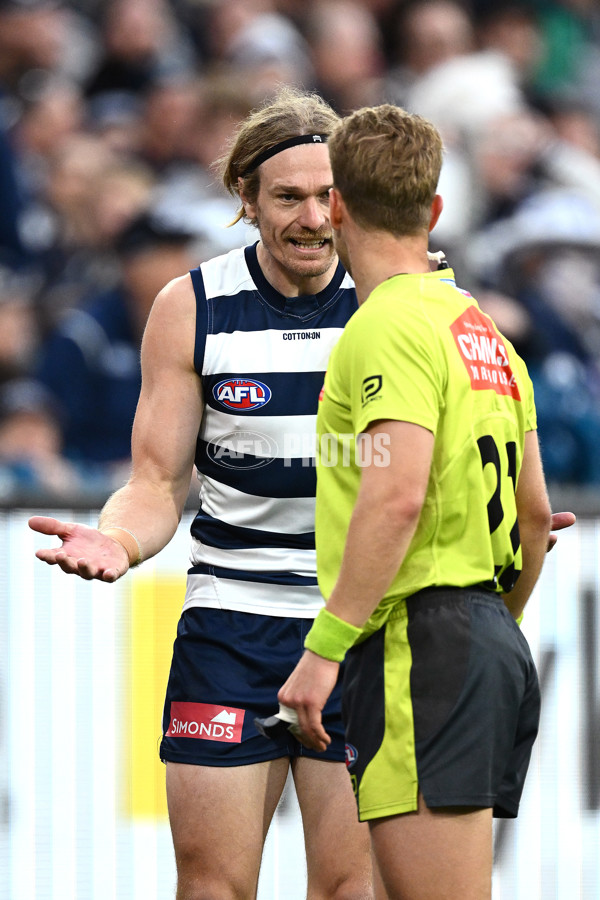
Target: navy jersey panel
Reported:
[(228, 537)]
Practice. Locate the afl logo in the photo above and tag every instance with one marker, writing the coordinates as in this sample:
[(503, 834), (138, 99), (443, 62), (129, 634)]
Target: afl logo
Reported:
[(241, 394), (351, 755)]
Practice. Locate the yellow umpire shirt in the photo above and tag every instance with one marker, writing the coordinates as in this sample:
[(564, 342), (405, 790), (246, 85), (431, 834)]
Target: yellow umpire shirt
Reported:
[(420, 350)]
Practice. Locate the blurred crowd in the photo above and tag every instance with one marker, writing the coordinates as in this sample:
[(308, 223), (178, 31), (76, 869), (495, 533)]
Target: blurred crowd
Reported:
[(112, 112)]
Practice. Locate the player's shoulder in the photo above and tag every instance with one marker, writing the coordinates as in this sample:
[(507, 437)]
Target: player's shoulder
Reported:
[(171, 326), (176, 298), (226, 274)]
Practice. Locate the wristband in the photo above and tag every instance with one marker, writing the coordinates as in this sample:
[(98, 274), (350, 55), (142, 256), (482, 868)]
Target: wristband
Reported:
[(127, 540), (330, 636)]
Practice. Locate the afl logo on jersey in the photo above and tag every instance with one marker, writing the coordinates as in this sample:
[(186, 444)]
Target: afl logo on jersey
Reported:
[(241, 394)]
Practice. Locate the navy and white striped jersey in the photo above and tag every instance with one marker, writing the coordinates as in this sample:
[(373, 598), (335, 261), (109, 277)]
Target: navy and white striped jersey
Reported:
[(262, 359)]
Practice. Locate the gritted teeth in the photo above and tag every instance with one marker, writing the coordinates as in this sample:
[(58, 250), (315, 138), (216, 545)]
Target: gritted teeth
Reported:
[(310, 245)]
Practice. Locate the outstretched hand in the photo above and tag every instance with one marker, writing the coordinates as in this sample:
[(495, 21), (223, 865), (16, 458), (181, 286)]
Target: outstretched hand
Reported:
[(559, 521), (85, 551)]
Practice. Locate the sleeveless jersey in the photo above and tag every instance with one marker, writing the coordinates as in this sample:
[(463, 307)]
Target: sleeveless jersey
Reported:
[(262, 359), (420, 350)]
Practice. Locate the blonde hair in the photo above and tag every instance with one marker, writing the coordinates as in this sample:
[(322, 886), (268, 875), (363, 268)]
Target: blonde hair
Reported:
[(289, 114), (386, 164)]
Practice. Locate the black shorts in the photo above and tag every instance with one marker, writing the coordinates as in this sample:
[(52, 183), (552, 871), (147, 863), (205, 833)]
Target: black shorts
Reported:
[(227, 669), (444, 699)]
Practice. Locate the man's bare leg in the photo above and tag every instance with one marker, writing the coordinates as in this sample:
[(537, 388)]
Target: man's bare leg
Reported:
[(379, 891), (219, 818), (337, 846), (435, 854)]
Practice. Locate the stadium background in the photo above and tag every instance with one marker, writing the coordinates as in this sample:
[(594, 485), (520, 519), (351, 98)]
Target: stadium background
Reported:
[(110, 116)]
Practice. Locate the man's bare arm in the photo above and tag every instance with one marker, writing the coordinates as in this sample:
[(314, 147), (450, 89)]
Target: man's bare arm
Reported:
[(384, 520), (534, 515), (383, 523), (149, 507)]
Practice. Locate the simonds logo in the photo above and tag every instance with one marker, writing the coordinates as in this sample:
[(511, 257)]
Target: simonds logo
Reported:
[(241, 394), (206, 721)]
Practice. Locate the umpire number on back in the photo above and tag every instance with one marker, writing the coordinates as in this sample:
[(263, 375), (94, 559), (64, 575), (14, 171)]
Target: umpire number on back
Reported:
[(370, 387)]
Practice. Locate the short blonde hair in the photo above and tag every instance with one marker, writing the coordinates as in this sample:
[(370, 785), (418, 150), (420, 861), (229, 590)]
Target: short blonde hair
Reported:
[(289, 114), (386, 164)]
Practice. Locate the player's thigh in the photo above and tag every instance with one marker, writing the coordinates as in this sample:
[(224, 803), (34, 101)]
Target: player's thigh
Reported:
[(338, 853), (220, 816), (435, 854)]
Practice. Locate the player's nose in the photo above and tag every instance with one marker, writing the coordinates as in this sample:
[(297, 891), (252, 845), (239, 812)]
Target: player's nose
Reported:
[(313, 214)]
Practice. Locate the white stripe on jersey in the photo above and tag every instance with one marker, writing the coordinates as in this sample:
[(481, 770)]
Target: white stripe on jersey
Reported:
[(227, 275), (285, 515), (299, 433), (257, 559), (267, 351), (251, 596)]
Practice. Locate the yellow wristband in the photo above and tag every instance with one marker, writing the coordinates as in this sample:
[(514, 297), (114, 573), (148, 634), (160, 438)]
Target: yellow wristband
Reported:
[(127, 540), (330, 636)]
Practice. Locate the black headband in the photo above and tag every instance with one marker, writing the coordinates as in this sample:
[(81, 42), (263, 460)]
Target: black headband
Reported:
[(283, 145)]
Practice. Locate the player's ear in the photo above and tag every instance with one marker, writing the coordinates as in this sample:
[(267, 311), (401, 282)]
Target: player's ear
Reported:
[(436, 211), (248, 207), (336, 205)]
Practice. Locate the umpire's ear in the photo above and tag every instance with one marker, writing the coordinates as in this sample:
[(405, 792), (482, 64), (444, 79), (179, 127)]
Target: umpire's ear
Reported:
[(337, 208), (436, 211)]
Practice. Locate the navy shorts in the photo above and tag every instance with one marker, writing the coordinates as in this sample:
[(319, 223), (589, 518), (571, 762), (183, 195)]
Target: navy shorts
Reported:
[(227, 669), (444, 699)]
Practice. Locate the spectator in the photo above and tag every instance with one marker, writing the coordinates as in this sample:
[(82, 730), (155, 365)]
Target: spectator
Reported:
[(18, 323), (30, 443), (250, 38), (188, 187), (426, 34), (347, 53), (545, 256), (90, 195), (167, 116), (513, 30), (90, 362), (143, 42), (574, 122)]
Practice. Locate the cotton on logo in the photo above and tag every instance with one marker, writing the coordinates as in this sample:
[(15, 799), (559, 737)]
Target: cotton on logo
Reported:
[(205, 721), (241, 394)]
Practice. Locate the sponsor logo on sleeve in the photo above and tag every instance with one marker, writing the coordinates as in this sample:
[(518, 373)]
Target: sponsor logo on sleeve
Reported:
[(206, 722), (370, 388), (241, 394), (484, 354)]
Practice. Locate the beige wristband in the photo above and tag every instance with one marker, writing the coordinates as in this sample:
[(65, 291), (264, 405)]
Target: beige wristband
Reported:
[(127, 540)]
